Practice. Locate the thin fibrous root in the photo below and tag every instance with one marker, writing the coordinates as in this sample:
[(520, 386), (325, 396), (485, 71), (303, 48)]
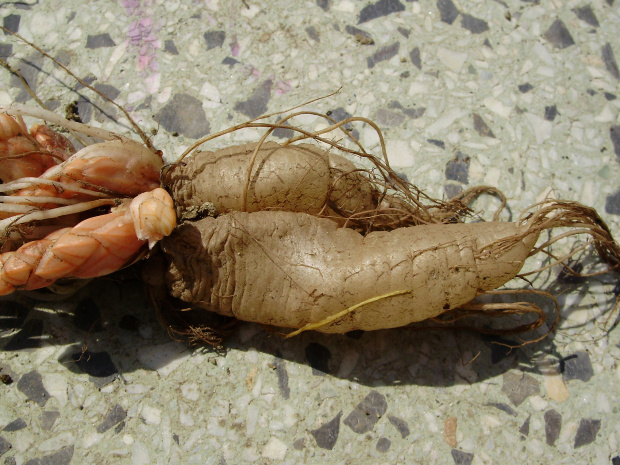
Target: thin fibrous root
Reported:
[(17, 109), (562, 214), (500, 310)]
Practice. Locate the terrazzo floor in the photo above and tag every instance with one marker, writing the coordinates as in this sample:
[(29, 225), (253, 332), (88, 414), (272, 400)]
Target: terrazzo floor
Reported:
[(519, 95)]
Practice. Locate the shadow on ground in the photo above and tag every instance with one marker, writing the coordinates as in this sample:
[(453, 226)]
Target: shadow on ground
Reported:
[(101, 329)]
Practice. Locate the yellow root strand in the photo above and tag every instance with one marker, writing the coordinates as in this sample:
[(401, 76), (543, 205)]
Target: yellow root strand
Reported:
[(343, 313)]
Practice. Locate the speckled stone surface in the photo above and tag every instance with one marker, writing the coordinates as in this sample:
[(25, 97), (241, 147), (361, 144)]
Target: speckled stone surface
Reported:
[(519, 95)]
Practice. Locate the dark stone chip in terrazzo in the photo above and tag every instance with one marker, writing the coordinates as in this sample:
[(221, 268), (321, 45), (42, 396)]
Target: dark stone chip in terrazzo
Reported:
[(214, 39), (447, 11), (519, 386), (414, 113), (609, 96), (462, 458), (15, 425), (383, 445), (380, 8), (28, 337), (361, 36), (282, 373), (366, 414), (184, 115), (283, 133), (577, 366), (118, 428), (586, 14), (99, 41), (558, 35), (299, 444), (52, 105), (388, 119), (12, 315), (551, 112), (48, 418), (610, 2), (587, 431), (414, 56), (615, 460), (612, 204), (109, 91), (338, 115), (384, 53), (29, 68), (5, 446), (170, 47), (6, 50), (525, 427), (311, 31), (256, 104), (553, 426), (113, 417), (457, 169), (318, 357), (31, 385), (591, 92), (473, 24), (439, 143), (323, 4), (452, 190), (11, 22), (610, 60), (230, 61), (503, 407), (87, 316), (62, 457), (98, 365), (614, 134), (83, 110), (525, 88), (481, 127), (327, 435), (403, 32), (145, 104), (88, 80), (400, 424)]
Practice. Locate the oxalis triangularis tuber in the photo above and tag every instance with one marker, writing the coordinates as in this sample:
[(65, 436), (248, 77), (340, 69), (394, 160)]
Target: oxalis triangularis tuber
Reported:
[(287, 235)]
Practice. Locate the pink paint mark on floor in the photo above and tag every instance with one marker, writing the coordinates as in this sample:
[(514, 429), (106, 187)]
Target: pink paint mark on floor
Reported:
[(143, 40)]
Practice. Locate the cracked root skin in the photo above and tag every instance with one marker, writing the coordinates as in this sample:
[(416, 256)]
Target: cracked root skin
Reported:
[(291, 269), (285, 178)]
